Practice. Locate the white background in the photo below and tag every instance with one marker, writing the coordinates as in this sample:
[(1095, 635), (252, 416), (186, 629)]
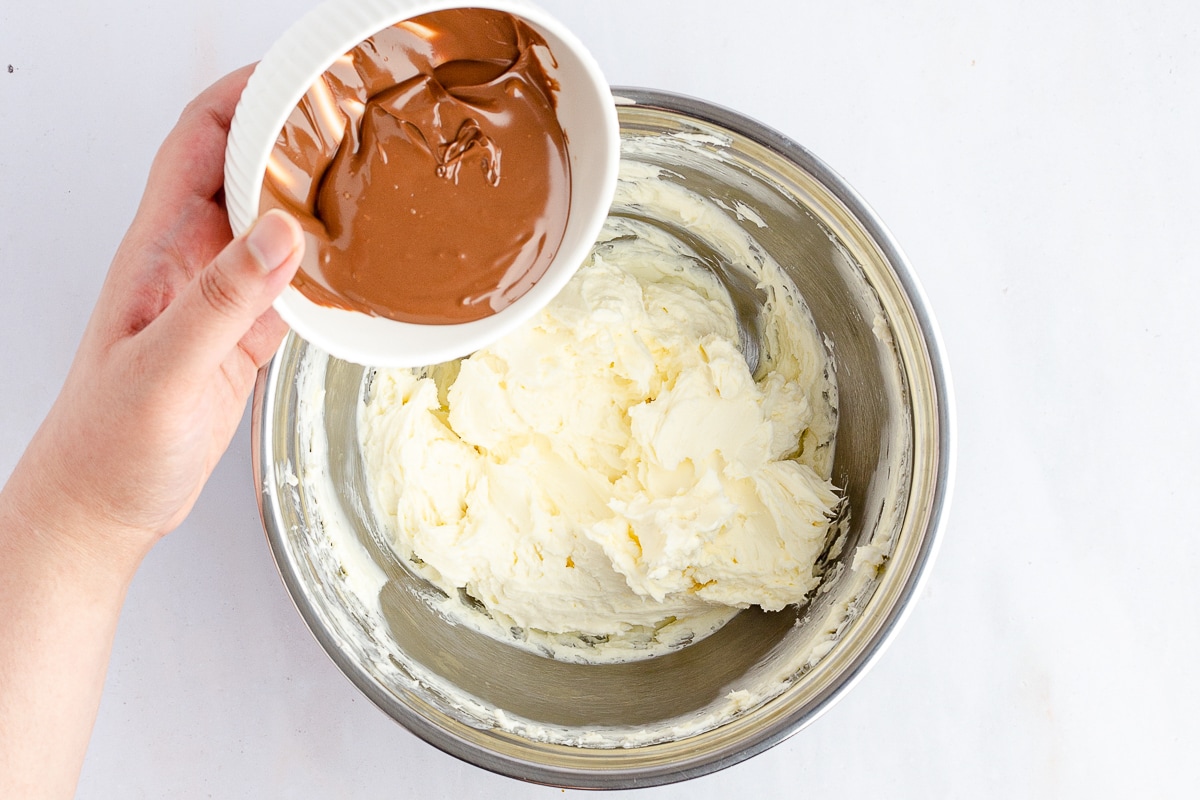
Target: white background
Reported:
[(1037, 160)]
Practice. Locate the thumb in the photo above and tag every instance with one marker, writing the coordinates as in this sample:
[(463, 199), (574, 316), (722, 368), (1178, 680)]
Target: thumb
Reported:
[(222, 301)]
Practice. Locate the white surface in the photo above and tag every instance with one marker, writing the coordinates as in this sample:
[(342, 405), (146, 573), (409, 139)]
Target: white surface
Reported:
[(1038, 162)]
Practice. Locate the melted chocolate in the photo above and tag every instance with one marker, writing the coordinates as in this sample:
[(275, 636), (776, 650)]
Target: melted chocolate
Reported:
[(428, 169)]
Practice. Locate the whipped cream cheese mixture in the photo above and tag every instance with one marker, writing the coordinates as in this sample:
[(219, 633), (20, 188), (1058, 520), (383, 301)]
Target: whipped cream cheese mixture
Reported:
[(612, 471)]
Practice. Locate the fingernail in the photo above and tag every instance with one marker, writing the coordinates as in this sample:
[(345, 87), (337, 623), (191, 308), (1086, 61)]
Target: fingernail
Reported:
[(272, 239)]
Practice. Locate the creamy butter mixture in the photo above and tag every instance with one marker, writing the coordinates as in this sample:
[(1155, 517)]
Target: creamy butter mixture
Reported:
[(613, 469)]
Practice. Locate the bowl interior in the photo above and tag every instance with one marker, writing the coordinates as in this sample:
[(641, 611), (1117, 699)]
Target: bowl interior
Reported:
[(555, 719)]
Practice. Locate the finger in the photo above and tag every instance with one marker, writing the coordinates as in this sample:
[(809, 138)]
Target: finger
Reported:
[(255, 349), (221, 305), (190, 163), (262, 340)]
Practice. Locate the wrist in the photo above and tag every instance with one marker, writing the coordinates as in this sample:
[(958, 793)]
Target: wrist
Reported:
[(40, 520), (61, 596)]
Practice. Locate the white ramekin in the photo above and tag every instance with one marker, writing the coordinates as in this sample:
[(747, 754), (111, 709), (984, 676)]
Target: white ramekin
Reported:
[(585, 111)]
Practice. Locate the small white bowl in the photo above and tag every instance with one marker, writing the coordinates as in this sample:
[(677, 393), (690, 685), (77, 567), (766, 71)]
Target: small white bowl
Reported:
[(585, 111)]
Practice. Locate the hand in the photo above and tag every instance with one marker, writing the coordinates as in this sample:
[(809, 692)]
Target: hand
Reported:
[(169, 357), (154, 395)]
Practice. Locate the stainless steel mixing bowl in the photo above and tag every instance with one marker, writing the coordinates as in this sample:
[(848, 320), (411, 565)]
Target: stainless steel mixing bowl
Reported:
[(521, 714)]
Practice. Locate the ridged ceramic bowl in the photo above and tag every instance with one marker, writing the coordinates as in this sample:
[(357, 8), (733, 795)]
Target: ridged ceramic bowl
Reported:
[(759, 679), (297, 60)]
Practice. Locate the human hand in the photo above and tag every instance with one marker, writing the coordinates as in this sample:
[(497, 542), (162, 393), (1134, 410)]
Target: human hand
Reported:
[(169, 357), (158, 385)]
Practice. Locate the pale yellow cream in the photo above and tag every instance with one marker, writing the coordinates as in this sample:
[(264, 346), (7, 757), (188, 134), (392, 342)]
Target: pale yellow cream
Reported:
[(613, 468)]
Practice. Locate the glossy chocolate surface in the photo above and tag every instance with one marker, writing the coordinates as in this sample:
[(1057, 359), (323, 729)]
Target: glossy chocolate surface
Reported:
[(428, 169)]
